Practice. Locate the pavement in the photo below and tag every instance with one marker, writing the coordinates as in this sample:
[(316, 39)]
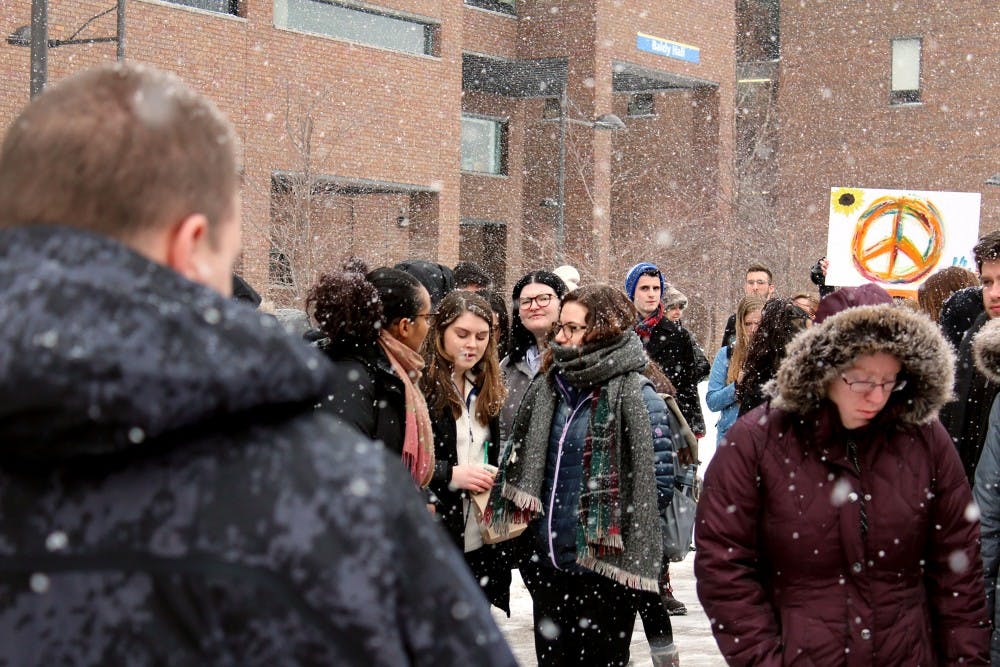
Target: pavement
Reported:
[(692, 632)]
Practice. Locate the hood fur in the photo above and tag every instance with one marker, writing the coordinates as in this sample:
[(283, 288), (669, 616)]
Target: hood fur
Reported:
[(817, 355), (986, 350)]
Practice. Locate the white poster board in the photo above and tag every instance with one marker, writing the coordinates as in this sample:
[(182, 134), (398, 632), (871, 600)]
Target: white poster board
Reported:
[(898, 238)]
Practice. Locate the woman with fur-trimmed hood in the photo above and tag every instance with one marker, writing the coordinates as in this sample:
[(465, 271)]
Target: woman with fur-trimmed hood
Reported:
[(835, 524)]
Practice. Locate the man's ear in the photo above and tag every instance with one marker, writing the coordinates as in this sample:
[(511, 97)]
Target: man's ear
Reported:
[(185, 243)]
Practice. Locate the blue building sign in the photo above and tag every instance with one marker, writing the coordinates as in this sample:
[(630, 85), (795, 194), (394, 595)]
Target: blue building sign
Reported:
[(664, 47)]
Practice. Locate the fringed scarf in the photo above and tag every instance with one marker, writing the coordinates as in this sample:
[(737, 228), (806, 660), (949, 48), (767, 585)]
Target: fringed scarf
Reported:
[(645, 327), (418, 437), (618, 531)]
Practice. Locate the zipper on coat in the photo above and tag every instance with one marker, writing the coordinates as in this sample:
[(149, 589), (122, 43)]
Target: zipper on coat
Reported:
[(555, 478)]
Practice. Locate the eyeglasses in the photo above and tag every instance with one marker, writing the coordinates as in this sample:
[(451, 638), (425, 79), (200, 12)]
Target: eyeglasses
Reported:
[(569, 329), (430, 316), (541, 300), (867, 386)]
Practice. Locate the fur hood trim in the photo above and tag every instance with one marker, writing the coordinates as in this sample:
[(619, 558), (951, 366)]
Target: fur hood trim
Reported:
[(986, 350), (817, 355)]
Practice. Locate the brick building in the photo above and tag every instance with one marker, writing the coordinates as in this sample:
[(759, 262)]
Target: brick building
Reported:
[(439, 129), (896, 95)]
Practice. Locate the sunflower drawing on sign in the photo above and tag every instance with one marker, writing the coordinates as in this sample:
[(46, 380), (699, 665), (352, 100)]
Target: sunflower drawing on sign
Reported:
[(897, 239)]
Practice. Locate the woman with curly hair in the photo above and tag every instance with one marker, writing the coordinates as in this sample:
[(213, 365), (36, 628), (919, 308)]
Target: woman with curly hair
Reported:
[(372, 328), (780, 321), (464, 391), (589, 464)]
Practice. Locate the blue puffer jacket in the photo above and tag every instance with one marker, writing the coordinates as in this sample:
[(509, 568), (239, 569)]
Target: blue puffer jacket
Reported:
[(555, 531)]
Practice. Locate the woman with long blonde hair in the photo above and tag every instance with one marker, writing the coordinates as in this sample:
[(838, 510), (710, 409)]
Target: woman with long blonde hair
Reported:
[(728, 365)]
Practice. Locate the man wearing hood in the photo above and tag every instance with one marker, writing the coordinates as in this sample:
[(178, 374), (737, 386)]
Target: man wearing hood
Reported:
[(171, 496)]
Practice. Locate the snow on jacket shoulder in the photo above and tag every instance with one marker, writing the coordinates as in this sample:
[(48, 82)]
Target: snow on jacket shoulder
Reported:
[(783, 568), (179, 499)]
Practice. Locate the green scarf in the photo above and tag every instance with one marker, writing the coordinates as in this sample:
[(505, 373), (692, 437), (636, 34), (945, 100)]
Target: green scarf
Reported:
[(618, 530)]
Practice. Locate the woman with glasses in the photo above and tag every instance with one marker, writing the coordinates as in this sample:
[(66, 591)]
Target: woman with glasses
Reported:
[(536, 299), (373, 327), (836, 526), (464, 390), (589, 463)]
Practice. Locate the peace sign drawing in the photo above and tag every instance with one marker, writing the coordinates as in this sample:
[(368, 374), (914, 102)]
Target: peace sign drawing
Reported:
[(897, 240)]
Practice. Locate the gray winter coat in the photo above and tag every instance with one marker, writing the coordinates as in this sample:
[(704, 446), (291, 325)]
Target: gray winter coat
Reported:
[(987, 483), (517, 376), (170, 497)]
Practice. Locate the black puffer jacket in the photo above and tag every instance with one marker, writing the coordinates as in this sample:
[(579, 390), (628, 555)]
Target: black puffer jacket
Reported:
[(679, 356), (178, 500)]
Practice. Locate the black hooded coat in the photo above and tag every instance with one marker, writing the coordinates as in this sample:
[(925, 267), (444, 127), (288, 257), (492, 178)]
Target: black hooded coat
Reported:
[(170, 496)]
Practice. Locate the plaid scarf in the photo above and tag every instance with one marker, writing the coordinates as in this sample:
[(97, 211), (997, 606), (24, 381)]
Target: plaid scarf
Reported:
[(645, 327), (617, 465)]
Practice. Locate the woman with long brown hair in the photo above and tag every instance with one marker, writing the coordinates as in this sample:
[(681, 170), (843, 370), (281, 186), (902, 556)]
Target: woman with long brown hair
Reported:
[(728, 365), (464, 391), (588, 463)]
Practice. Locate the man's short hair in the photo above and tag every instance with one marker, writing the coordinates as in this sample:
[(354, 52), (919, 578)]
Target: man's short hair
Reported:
[(470, 273), (117, 150), (760, 268), (987, 250)]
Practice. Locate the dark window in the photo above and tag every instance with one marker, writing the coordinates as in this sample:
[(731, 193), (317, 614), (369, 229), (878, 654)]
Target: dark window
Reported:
[(221, 6), (484, 145), (641, 104), (551, 110), (279, 269), (905, 71), (364, 26), (501, 6)]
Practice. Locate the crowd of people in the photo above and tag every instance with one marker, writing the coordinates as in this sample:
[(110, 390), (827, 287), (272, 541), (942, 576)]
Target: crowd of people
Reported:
[(189, 482)]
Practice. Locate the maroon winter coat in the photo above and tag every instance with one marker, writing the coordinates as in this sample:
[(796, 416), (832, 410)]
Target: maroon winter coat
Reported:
[(783, 570)]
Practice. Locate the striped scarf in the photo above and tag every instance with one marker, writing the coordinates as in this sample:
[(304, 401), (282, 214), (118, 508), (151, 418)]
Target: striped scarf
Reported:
[(617, 466)]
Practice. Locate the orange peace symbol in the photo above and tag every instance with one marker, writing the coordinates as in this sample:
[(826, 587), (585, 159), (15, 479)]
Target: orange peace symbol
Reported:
[(912, 215)]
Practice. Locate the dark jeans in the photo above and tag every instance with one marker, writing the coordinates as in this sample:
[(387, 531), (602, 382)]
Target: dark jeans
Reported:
[(655, 619), (580, 619)]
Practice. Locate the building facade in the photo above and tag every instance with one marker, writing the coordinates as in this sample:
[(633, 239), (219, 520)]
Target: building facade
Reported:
[(899, 95), (449, 130)]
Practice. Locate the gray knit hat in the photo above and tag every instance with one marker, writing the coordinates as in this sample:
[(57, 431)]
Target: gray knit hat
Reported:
[(674, 297)]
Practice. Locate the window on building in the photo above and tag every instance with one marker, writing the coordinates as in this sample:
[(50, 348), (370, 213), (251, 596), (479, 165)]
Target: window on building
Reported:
[(221, 6), (502, 6), (279, 269), (551, 110), (484, 145), (365, 26), (905, 71), (641, 104)]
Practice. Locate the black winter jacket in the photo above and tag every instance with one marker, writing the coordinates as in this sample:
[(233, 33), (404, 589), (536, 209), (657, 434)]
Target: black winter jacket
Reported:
[(171, 497), (967, 418), (679, 356), (368, 394)]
